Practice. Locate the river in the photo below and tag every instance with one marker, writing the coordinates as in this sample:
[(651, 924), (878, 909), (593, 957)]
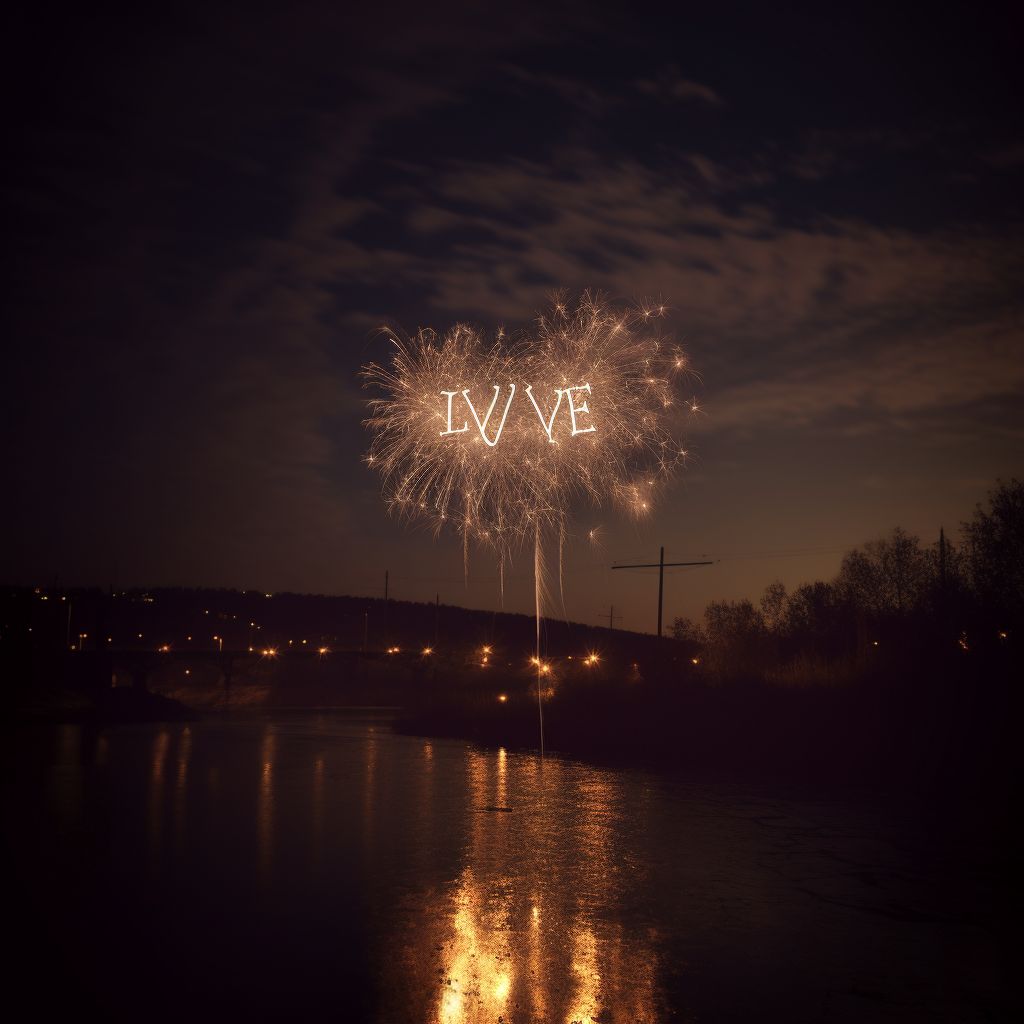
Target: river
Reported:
[(318, 867)]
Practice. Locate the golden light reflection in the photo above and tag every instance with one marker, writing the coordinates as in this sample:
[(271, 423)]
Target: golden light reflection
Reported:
[(425, 820), (180, 789), (534, 926), (586, 977), (370, 794), (318, 809), (265, 809), (536, 961), (156, 797), (66, 776)]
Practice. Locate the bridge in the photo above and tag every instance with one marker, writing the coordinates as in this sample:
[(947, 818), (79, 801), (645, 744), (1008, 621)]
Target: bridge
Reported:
[(141, 662)]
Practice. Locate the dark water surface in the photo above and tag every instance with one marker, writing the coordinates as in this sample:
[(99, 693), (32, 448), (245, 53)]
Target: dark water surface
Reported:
[(307, 868)]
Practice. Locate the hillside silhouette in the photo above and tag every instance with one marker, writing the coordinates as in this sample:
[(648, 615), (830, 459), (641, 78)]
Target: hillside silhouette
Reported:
[(903, 669)]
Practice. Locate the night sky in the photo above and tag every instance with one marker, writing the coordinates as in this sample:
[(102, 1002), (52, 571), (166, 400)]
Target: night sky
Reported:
[(214, 206)]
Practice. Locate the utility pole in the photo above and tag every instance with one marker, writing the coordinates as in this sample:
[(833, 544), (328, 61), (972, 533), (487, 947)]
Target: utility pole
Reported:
[(437, 615), (385, 607), (660, 566), (611, 617)]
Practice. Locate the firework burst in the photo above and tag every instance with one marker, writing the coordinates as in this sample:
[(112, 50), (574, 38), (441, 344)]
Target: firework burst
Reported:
[(507, 439)]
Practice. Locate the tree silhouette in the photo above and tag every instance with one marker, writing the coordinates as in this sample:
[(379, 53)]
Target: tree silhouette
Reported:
[(892, 574), (994, 544)]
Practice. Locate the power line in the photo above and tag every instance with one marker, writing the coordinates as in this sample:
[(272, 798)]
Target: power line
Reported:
[(660, 566)]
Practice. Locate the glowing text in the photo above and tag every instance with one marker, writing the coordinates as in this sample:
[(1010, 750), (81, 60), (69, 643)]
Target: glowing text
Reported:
[(546, 425)]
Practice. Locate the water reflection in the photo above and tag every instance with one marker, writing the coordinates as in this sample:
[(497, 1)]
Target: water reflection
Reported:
[(369, 794), (318, 810), (66, 778), (265, 809), (299, 870), (156, 798), (180, 790), (532, 927)]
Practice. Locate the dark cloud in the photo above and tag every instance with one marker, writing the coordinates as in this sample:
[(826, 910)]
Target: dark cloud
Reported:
[(213, 209)]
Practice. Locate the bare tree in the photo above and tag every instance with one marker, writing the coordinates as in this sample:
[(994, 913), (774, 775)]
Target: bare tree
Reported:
[(773, 605), (891, 574), (994, 544), (736, 635)]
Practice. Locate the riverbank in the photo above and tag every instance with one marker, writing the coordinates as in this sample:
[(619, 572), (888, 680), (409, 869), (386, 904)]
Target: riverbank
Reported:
[(114, 705), (902, 735)]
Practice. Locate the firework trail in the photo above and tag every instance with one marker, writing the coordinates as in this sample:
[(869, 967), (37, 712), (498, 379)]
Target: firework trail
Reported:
[(506, 440)]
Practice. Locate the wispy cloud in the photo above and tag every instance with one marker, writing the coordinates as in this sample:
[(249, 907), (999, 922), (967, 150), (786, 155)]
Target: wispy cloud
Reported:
[(670, 86), (840, 322)]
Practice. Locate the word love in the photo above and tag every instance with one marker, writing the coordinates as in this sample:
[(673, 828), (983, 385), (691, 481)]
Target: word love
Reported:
[(548, 425)]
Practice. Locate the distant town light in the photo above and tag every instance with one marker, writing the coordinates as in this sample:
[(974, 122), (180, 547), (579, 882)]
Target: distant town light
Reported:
[(503, 697)]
